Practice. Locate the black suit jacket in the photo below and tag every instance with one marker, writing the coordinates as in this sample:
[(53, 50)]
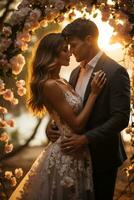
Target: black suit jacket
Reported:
[(110, 115)]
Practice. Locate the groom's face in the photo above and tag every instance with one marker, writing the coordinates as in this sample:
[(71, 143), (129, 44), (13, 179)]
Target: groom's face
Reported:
[(79, 48)]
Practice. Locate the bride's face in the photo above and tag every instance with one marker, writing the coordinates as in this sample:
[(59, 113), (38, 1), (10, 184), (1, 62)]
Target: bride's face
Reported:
[(64, 55)]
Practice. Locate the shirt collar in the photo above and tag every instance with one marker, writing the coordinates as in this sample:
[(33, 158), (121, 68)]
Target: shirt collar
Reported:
[(95, 59)]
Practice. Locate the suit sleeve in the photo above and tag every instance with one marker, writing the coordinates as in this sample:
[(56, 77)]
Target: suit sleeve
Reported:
[(119, 108)]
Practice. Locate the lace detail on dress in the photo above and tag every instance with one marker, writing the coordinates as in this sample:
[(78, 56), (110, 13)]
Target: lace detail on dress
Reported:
[(74, 101), (57, 176)]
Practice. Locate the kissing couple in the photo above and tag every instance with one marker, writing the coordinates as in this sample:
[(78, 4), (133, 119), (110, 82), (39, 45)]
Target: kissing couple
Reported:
[(87, 115)]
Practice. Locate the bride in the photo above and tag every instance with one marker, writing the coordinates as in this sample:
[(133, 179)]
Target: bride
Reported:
[(56, 175)]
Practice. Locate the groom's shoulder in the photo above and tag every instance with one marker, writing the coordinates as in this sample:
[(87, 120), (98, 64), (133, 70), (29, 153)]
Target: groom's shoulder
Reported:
[(112, 65)]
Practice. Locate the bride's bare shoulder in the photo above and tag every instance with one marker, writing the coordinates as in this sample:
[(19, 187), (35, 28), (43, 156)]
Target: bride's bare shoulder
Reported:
[(49, 83), (51, 86)]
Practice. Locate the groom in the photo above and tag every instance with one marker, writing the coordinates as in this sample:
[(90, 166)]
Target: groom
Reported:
[(111, 111)]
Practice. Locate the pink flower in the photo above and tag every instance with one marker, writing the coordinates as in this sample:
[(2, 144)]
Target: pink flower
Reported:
[(16, 69), (19, 59), (18, 172), (8, 95), (3, 123), (2, 92), (15, 101), (4, 137), (5, 43), (8, 148), (20, 83), (25, 36), (22, 39), (13, 181), (7, 31), (17, 63), (8, 175), (32, 22), (21, 44), (44, 23), (3, 110), (11, 123), (21, 91)]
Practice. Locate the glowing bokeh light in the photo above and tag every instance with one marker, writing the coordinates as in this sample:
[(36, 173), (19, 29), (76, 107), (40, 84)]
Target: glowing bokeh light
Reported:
[(110, 2)]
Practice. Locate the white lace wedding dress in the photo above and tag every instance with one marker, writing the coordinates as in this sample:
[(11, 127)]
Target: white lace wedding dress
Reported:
[(54, 175)]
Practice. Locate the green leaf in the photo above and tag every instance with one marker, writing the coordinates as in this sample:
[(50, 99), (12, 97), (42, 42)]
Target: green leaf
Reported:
[(95, 15)]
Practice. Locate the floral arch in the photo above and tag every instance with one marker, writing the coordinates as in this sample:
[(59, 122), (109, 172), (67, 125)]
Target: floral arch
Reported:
[(30, 15)]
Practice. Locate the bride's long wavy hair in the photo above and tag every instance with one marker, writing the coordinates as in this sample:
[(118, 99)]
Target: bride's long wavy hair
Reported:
[(41, 69)]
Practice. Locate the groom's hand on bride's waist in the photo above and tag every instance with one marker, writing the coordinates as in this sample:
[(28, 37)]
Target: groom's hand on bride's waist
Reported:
[(73, 143), (52, 132)]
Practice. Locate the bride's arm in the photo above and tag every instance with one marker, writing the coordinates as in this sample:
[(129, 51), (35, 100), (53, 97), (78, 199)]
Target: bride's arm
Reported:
[(56, 98)]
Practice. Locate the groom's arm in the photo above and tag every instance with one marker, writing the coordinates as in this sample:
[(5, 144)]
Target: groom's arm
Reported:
[(119, 108)]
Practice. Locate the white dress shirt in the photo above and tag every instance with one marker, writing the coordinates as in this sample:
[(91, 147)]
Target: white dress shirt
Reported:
[(85, 75)]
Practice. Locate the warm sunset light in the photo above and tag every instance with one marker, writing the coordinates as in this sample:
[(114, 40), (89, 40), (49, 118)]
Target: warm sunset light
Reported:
[(66, 117), (110, 2)]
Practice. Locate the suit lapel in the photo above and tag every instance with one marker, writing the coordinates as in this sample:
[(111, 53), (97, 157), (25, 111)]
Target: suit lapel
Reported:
[(99, 66), (74, 77)]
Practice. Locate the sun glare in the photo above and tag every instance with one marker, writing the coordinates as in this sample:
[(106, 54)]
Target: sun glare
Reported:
[(105, 33), (105, 30), (110, 2)]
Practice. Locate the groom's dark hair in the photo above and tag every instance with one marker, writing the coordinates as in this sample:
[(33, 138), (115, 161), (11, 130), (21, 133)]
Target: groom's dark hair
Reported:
[(80, 28)]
